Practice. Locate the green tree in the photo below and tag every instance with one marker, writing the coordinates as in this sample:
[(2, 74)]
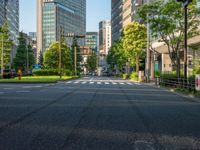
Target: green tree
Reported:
[(31, 57), (92, 62), (134, 42), (21, 56), (167, 25), (7, 44), (41, 59), (78, 56), (51, 57), (116, 56)]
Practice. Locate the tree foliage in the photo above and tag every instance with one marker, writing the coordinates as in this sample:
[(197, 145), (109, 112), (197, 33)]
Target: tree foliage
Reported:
[(7, 44), (21, 55), (134, 42), (92, 62), (51, 57), (166, 22), (116, 55), (78, 56)]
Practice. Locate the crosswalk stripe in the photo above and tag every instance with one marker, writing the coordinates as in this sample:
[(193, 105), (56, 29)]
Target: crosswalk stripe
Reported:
[(129, 83), (107, 83), (76, 82), (84, 82), (69, 82), (91, 82), (114, 83), (98, 82), (121, 83)]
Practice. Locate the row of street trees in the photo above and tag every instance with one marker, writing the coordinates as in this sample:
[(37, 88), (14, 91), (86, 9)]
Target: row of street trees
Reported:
[(24, 58), (7, 47), (58, 52), (130, 48), (166, 21)]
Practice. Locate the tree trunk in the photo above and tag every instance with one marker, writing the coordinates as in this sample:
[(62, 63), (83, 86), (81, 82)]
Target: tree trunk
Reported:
[(137, 64), (178, 64)]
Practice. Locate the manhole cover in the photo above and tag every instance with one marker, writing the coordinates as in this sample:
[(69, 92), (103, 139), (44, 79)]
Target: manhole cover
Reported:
[(143, 145)]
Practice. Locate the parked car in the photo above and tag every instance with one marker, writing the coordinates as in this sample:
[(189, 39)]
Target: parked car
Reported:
[(14, 73), (7, 73)]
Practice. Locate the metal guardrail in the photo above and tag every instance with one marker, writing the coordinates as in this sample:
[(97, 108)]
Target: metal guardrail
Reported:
[(188, 84)]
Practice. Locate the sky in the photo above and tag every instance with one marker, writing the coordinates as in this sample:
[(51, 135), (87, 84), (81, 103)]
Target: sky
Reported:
[(97, 10)]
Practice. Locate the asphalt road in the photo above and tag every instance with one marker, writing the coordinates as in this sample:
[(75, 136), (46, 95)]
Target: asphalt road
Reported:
[(96, 114)]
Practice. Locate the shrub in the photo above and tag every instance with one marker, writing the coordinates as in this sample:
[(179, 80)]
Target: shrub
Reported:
[(134, 76), (196, 70), (45, 72), (157, 74)]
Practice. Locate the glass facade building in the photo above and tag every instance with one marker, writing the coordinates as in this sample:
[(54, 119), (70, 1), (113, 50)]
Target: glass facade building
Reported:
[(54, 15), (91, 40), (123, 12), (9, 11)]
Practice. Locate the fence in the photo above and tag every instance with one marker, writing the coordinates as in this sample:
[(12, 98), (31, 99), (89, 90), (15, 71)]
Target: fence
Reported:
[(188, 84)]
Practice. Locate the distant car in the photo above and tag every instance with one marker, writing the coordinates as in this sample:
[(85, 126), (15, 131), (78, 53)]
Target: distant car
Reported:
[(7, 73)]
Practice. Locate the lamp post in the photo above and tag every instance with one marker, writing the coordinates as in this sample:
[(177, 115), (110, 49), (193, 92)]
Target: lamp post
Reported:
[(185, 5), (2, 61), (72, 35)]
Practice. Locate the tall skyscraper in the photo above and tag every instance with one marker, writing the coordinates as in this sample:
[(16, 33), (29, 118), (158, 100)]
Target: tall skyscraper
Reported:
[(104, 44), (122, 13), (9, 11), (52, 15), (104, 37), (91, 40)]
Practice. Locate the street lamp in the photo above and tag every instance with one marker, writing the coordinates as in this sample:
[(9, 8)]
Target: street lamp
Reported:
[(185, 4), (74, 36), (2, 53)]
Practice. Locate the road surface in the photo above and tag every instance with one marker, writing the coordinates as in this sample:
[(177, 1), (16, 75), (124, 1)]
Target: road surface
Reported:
[(96, 113)]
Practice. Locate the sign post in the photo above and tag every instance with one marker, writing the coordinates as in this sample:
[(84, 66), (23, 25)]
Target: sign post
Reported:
[(197, 82)]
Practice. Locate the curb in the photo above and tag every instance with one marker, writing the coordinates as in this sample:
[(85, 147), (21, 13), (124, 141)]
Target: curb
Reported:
[(189, 97)]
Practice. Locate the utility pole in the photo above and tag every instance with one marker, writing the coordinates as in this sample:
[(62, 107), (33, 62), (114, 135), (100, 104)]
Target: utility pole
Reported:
[(147, 68), (27, 59), (60, 63), (185, 4), (75, 61), (185, 42), (2, 61)]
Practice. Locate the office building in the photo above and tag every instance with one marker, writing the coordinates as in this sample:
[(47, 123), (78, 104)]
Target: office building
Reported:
[(9, 11), (123, 12), (104, 37), (53, 16), (91, 40), (104, 45)]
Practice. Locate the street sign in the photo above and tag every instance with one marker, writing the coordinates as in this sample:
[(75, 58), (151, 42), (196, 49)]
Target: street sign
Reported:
[(197, 82)]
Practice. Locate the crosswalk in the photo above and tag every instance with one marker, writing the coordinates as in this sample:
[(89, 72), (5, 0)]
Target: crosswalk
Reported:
[(101, 83)]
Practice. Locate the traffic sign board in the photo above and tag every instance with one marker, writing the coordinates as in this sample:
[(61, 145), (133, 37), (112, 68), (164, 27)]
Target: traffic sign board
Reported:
[(197, 82)]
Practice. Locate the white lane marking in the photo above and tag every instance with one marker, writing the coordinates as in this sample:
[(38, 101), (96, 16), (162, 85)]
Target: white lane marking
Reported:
[(83, 83), (76, 82), (2, 93), (8, 88), (114, 83), (98, 82), (22, 91), (107, 83), (39, 86), (91, 82), (121, 83), (68, 82), (129, 83)]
